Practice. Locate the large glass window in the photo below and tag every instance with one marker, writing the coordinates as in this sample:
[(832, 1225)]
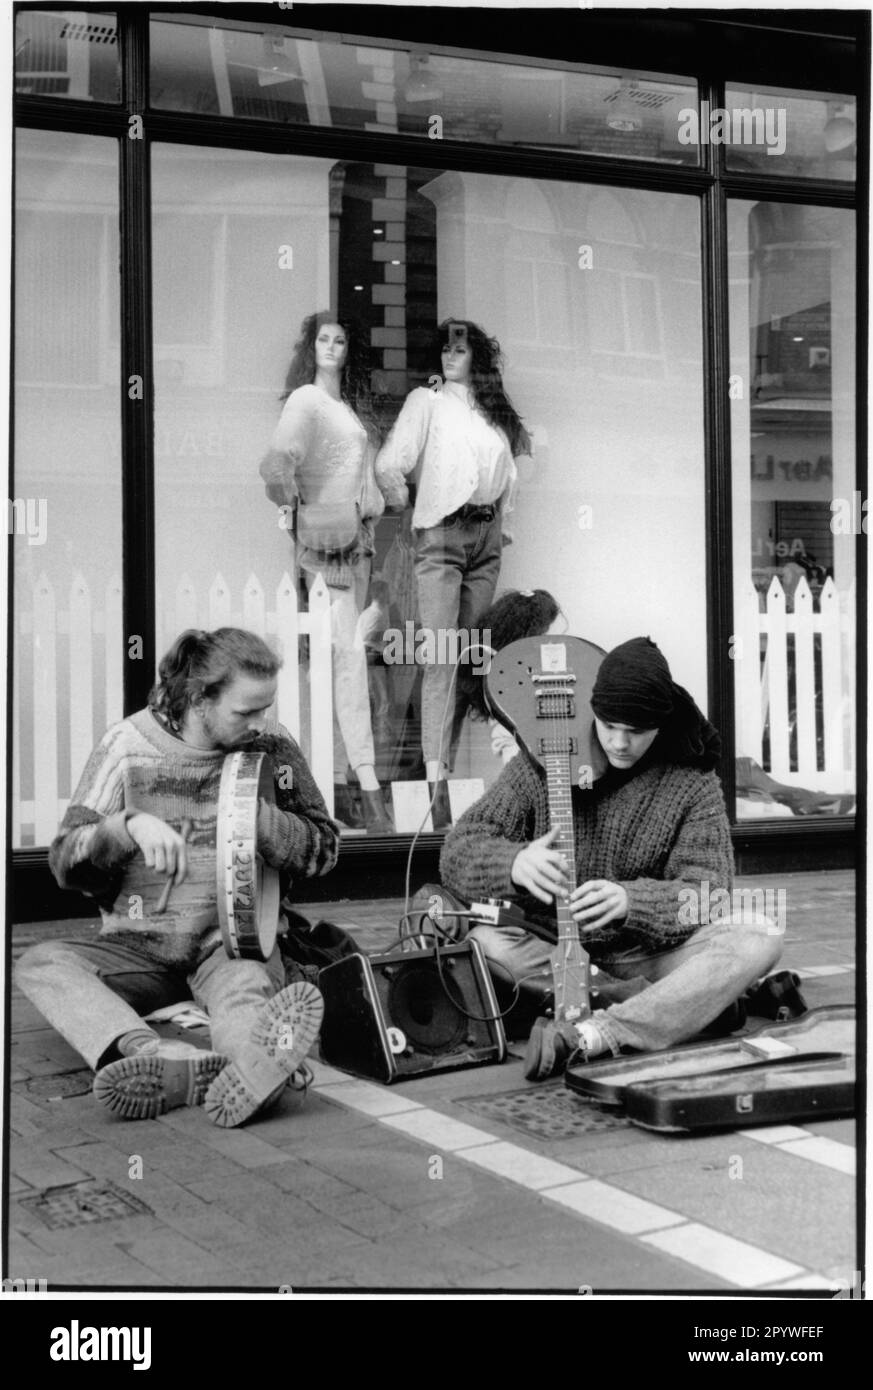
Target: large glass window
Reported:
[(276, 74), (67, 53), (796, 513), (785, 134), (65, 517), (594, 298)]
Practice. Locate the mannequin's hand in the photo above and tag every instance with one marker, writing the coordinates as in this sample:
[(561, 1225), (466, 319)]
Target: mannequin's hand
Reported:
[(163, 847), (541, 870), (597, 902)]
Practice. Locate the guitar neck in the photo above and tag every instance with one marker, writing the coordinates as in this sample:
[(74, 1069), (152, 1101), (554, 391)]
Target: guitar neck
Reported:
[(570, 964), (558, 774)]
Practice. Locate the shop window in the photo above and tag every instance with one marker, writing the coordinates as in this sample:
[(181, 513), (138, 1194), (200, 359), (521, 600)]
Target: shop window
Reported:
[(280, 74), (65, 517), (786, 134), (67, 53), (796, 514), (608, 512)]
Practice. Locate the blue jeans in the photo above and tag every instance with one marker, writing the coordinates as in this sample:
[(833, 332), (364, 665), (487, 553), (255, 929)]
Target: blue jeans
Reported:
[(655, 999), (457, 565), (93, 992)]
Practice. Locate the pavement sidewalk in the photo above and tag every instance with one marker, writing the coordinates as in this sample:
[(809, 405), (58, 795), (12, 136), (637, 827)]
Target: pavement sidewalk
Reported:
[(461, 1181)]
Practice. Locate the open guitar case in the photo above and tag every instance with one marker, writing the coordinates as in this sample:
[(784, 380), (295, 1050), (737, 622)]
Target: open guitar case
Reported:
[(800, 1070)]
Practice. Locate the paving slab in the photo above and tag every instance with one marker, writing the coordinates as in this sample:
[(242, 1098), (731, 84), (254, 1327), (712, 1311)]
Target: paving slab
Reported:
[(771, 1204), (327, 1193)]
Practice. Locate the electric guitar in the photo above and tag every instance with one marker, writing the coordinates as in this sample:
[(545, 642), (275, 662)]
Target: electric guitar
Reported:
[(540, 688)]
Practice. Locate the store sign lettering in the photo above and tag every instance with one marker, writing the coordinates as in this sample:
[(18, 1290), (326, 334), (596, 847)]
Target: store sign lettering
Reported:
[(801, 470)]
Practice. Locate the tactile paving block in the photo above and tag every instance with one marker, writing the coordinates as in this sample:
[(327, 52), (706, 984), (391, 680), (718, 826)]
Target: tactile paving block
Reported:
[(548, 1112), (83, 1204)]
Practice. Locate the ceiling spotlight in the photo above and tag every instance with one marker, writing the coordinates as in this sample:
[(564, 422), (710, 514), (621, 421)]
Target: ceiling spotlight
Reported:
[(623, 114), (421, 85), (358, 287)]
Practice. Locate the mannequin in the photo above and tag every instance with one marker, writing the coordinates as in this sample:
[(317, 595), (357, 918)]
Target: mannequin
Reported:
[(320, 472), (459, 437)]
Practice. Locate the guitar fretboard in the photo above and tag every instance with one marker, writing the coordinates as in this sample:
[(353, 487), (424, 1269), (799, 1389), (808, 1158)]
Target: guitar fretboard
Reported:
[(558, 782)]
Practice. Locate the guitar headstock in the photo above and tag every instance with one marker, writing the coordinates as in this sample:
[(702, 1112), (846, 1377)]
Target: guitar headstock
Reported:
[(540, 688)]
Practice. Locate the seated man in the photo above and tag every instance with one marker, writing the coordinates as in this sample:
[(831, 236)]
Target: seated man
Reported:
[(119, 841), (652, 840)]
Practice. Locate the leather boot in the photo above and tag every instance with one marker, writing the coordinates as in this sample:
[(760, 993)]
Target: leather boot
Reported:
[(440, 811), (376, 817), (344, 809)]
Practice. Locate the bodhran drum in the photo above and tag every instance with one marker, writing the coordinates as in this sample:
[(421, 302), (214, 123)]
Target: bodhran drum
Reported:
[(248, 889)]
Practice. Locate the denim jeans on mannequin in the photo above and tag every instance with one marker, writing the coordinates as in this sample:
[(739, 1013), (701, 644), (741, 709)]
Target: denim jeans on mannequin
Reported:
[(353, 731), (457, 565)]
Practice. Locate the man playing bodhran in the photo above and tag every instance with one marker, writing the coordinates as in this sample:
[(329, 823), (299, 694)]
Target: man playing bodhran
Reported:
[(152, 775)]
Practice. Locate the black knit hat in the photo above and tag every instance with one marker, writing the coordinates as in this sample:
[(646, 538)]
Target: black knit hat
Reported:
[(634, 687)]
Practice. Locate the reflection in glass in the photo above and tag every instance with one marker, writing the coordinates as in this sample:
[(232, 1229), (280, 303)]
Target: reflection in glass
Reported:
[(795, 508), (66, 514), (792, 134), (594, 297), (276, 75), (67, 53)]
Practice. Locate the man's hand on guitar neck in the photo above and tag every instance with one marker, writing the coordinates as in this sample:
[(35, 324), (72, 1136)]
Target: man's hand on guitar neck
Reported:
[(597, 902), (541, 870)]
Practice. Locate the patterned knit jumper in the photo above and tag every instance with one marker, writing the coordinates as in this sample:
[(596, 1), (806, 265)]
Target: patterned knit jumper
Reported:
[(656, 831), (139, 766)]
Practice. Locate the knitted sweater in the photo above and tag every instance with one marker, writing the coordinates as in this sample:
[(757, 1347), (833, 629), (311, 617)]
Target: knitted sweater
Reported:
[(658, 831), (139, 766)]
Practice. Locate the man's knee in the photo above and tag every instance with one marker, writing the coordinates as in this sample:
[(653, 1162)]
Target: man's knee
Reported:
[(43, 955), (759, 940)]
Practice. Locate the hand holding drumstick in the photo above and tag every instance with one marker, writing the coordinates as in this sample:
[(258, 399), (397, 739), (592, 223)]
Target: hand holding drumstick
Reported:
[(163, 849)]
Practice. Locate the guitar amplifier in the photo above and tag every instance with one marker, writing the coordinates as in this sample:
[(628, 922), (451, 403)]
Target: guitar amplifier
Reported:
[(410, 1013)]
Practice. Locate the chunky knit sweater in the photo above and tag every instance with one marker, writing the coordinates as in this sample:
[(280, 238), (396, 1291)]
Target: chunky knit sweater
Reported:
[(139, 766), (656, 831)]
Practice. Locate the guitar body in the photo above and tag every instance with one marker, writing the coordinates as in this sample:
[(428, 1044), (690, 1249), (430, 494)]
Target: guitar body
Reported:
[(540, 688), (248, 889)]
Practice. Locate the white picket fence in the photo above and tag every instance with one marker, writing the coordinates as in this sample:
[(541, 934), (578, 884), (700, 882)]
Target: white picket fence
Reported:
[(763, 686), (70, 644)]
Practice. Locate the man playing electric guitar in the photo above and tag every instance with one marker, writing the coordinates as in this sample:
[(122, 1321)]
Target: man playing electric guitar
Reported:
[(653, 827)]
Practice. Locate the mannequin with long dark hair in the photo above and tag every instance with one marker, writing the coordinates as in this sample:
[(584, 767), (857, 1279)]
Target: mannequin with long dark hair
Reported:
[(320, 472), (459, 438)]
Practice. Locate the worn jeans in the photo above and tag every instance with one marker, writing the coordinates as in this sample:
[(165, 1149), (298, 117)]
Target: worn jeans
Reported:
[(353, 731), (93, 992), (457, 565), (659, 997)]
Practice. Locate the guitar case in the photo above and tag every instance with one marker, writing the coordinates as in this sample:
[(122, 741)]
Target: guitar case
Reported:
[(791, 1071)]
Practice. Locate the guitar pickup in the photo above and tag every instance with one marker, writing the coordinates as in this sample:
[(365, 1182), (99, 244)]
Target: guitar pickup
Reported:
[(555, 704), (558, 745)]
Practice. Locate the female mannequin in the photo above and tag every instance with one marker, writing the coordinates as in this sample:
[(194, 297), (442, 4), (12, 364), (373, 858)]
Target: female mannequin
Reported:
[(460, 437), (320, 471)]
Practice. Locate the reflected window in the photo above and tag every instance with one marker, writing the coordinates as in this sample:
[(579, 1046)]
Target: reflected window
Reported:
[(284, 75), (795, 510), (67, 53), (356, 502), (784, 133), (65, 519)]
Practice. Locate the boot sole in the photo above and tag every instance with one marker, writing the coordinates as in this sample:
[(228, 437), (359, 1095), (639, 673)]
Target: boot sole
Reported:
[(288, 1026), (145, 1086)]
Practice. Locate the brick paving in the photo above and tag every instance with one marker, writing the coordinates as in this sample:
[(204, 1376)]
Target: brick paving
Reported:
[(325, 1194)]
